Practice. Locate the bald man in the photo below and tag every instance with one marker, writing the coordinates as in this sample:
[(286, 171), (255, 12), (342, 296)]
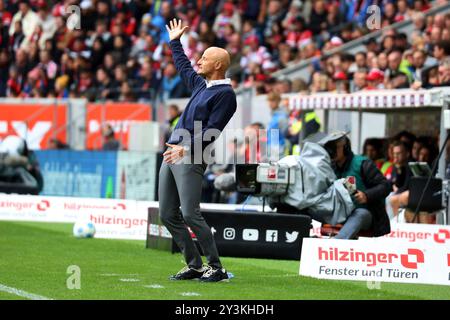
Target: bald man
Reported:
[(212, 104)]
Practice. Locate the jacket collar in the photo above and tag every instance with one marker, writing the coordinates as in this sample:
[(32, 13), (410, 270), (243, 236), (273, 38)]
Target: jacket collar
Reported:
[(217, 82)]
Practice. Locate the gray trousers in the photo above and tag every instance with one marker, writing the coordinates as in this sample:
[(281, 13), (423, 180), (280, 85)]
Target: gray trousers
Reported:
[(180, 185)]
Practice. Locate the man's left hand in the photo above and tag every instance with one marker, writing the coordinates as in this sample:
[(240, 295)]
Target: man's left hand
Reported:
[(360, 197), (174, 154)]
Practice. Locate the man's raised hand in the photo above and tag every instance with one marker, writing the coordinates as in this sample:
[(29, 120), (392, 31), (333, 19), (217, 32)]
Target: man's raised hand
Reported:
[(176, 30)]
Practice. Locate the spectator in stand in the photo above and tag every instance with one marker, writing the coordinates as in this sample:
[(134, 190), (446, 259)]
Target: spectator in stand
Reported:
[(401, 175), (29, 20), (98, 53), (373, 149), (17, 37), (206, 35), (319, 82), (382, 61), (396, 77), (375, 79), (105, 86), (172, 86), (126, 93), (165, 14), (278, 124), (361, 60), (444, 73), (441, 50), (47, 23), (403, 11), (147, 81), (419, 22), (318, 17), (275, 15), (419, 58), (388, 165), (110, 143), (359, 80), (191, 17), (5, 15), (174, 117), (387, 44), (293, 14), (427, 153), (227, 16), (339, 83), (13, 85), (61, 87), (84, 86), (407, 137), (49, 66), (234, 48), (401, 41), (102, 32), (254, 53)]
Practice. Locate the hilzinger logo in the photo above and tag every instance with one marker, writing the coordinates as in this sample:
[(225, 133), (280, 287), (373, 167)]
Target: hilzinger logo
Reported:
[(409, 260), (441, 236), (43, 205), (121, 206)]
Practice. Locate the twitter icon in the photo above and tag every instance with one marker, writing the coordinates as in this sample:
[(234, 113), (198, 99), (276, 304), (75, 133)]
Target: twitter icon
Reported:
[(291, 237)]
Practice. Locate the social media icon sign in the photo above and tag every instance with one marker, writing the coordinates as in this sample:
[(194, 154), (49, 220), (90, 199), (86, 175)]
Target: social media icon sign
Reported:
[(229, 233), (271, 235), (291, 237), (250, 234)]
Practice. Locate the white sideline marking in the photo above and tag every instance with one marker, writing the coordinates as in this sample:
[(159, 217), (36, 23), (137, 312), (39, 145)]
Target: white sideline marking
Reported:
[(129, 280), (22, 293), (190, 294), (155, 286), (278, 275)]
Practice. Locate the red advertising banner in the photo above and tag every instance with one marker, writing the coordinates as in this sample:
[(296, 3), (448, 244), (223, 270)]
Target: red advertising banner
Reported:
[(36, 123), (119, 115)]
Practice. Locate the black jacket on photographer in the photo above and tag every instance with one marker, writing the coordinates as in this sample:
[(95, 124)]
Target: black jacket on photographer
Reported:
[(375, 186)]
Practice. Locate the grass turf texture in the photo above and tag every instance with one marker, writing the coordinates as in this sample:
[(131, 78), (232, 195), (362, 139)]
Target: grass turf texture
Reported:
[(34, 257)]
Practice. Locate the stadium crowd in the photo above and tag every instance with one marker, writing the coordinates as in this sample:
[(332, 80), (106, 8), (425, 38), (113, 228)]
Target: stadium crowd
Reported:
[(120, 49)]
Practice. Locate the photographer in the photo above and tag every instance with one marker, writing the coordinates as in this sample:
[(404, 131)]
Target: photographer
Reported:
[(371, 189)]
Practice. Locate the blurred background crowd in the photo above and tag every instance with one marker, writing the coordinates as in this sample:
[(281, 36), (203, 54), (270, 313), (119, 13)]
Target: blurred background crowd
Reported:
[(121, 53)]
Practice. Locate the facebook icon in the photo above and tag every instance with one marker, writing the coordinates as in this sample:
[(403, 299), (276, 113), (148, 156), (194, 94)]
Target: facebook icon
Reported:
[(271, 235)]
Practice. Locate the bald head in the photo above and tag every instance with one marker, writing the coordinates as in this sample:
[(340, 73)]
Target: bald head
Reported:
[(214, 63)]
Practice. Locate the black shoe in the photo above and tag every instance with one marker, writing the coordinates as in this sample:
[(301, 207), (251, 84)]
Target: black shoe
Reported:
[(187, 274), (215, 275)]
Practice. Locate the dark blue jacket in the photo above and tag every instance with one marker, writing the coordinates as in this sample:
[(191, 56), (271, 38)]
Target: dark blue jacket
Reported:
[(213, 106)]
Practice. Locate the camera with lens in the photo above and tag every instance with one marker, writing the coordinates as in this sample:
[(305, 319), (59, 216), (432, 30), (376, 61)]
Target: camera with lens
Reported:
[(264, 179)]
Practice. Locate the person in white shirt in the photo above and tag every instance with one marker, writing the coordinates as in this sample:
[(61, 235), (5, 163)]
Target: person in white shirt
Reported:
[(29, 20)]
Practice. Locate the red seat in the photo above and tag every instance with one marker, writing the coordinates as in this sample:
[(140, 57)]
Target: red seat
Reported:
[(327, 230)]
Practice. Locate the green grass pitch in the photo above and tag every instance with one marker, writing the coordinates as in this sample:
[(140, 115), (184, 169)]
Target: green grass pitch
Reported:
[(34, 258)]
